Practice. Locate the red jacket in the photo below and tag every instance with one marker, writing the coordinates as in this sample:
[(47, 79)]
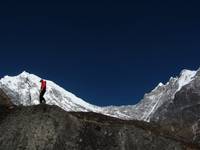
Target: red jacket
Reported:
[(43, 85)]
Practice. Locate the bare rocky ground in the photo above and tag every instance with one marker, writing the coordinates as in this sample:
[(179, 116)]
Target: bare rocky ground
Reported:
[(44, 127)]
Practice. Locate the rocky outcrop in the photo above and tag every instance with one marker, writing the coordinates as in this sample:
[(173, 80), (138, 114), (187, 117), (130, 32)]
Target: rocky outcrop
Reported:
[(5, 100), (181, 116), (45, 127)]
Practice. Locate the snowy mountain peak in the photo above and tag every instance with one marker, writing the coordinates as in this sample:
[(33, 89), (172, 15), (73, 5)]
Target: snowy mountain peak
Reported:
[(186, 76), (163, 93), (24, 73), (187, 72), (158, 86), (24, 88)]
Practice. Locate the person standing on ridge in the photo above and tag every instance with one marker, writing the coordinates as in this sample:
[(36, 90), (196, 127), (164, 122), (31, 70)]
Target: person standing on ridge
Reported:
[(42, 91)]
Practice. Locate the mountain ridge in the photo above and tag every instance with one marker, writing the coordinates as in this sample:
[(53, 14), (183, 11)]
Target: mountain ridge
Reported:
[(170, 113), (24, 89)]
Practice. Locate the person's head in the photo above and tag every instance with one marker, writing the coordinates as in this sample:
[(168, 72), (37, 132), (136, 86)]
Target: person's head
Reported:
[(41, 80)]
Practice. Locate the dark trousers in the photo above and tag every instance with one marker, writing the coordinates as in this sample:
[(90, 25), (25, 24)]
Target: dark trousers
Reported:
[(42, 100)]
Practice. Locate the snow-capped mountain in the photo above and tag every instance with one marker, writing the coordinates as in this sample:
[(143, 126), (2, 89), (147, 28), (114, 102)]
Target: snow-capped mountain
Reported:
[(163, 93), (23, 89)]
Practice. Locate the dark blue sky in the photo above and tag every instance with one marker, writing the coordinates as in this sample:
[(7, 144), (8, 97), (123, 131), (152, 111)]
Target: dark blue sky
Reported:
[(108, 52)]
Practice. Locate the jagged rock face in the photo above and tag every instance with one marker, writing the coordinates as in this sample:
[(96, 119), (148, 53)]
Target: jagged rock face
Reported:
[(4, 99), (162, 94), (182, 115), (50, 128)]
